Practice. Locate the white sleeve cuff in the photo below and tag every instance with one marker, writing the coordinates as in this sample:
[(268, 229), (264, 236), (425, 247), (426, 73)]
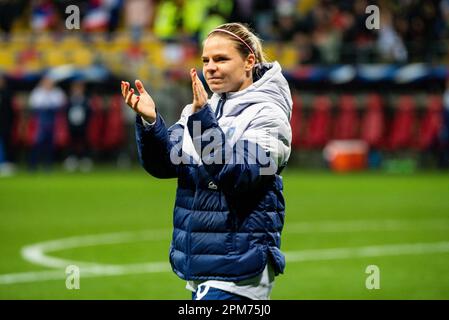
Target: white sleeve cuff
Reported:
[(147, 124)]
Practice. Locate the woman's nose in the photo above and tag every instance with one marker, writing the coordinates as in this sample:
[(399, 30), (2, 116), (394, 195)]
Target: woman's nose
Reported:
[(211, 66)]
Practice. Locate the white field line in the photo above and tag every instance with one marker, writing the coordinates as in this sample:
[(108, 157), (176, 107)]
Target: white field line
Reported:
[(85, 272), (369, 251), (37, 253), (366, 226), (291, 256)]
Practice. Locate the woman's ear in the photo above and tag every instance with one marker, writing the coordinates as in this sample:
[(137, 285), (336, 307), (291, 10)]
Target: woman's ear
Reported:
[(250, 62)]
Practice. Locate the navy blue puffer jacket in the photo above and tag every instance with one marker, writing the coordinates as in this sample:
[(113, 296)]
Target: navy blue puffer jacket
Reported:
[(229, 209)]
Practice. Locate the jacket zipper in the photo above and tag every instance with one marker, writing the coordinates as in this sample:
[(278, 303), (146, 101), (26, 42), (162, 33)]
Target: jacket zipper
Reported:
[(219, 114), (189, 236), (221, 102)]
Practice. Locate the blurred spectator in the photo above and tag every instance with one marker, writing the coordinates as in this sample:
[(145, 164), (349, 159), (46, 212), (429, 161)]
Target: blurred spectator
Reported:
[(209, 24), (114, 8), (102, 16), (78, 116), (9, 11), (286, 24), (45, 101), (6, 122), (96, 18), (390, 45), (138, 15), (423, 18), (325, 35), (193, 13), (43, 15), (358, 40), (308, 52), (243, 11), (218, 14), (264, 18), (167, 19)]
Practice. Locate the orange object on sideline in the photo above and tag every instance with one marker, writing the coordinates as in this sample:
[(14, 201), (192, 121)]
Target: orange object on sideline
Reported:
[(346, 155)]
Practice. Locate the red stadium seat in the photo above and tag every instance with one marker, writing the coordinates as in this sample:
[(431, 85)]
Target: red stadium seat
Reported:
[(19, 132), (347, 122), (319, 123), (373, 122), (114, 134), (95, 128), (61, 131), (25, 125), (401, 133), (31, 130), (296, 122), (431, 123)]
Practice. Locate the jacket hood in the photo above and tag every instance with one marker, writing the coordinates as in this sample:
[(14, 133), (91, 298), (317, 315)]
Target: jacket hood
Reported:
[(269, 86)]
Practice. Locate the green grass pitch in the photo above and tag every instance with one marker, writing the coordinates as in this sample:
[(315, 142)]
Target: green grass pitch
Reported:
[(336, 226)]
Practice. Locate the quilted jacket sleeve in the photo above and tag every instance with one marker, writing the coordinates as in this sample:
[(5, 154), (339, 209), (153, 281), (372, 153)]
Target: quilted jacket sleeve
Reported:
[(155, 146)]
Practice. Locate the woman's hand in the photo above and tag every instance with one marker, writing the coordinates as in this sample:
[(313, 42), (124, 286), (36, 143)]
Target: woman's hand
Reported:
[(199, 93), (142, 104)]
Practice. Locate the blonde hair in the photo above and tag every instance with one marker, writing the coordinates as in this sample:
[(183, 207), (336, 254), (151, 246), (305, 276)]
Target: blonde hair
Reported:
[(245, 40)]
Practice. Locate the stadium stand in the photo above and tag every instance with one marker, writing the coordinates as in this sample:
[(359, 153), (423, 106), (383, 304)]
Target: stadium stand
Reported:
[(325, 49)]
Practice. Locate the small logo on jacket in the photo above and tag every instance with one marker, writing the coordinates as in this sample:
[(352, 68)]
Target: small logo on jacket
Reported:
[(212, 185)]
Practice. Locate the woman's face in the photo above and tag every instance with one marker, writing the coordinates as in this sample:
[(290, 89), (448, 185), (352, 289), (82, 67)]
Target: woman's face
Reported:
[(224, 67)]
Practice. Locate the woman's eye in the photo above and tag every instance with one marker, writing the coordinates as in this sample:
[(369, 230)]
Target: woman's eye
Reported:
[(218, 59)]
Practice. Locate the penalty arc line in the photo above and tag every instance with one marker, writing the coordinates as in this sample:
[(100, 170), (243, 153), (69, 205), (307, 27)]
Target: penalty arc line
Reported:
[(36, 253), (293, 256)]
